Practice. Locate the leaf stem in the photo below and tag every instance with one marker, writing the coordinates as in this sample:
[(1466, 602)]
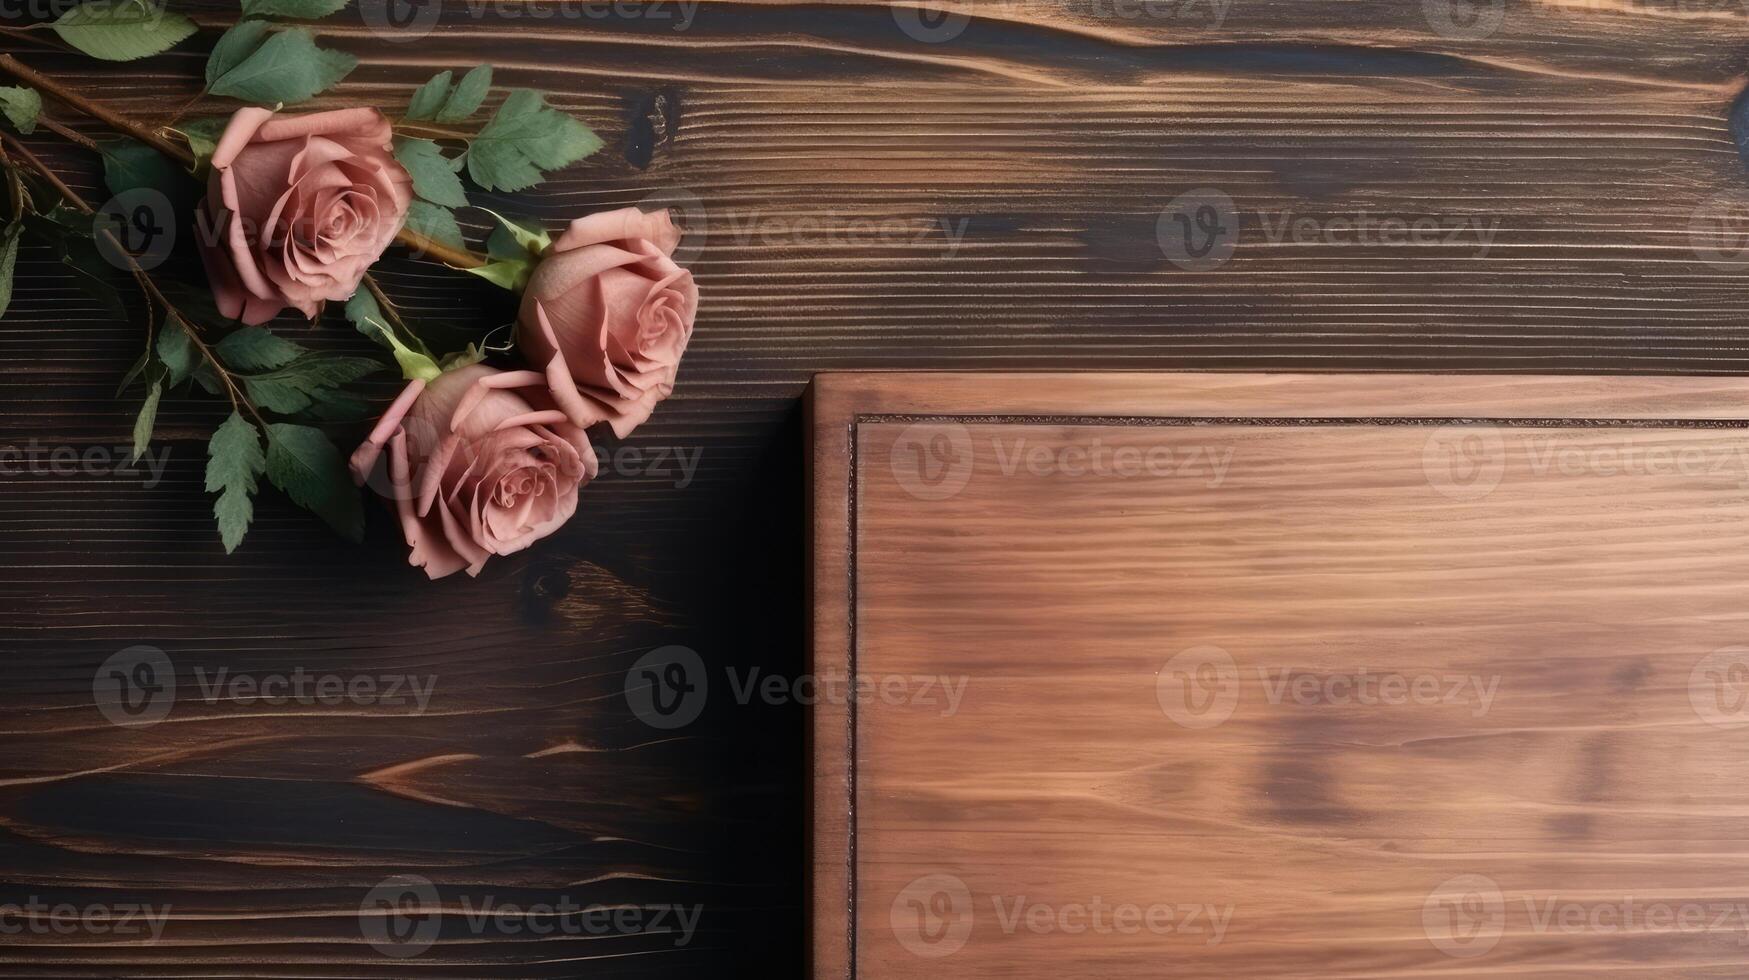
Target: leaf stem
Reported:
[(460, 258)]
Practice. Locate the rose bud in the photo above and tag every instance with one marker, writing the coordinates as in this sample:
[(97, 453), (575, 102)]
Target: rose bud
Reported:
[(481, 462), (297, 208), (607, 315)]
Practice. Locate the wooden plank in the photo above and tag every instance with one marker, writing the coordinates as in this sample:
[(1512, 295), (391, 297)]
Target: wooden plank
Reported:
[(1299, 676)]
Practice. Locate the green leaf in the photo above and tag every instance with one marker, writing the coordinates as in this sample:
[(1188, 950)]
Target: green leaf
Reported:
[(234, 462), (433, 178), (207, 378), (130, 165), (501, 244), (234, 47), (288, 67), (330, 405), (133, 373), (122, 30), (8, 262), (21, 106), (513, 239), (203, 137), (297, 9), (415, 360), (256, 349), (302, 462), (472, 354), (525, 137), (428, 98), (147, 418), (469, 94), (292, 387), (176, 349), (511, 274), (435, 222)]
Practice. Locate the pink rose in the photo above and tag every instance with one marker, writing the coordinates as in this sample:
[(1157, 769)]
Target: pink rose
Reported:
[(481, 462), (297, 208), (607, 314)]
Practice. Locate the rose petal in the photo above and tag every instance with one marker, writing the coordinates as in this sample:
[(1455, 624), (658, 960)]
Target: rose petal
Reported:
[(623, 225)]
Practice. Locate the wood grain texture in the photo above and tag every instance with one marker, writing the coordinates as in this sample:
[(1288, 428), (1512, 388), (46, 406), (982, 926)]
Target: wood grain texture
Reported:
[(1296, 676), (820, 149)]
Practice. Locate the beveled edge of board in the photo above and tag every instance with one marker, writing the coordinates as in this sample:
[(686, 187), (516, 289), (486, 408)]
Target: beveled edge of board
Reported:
[(836, 402)]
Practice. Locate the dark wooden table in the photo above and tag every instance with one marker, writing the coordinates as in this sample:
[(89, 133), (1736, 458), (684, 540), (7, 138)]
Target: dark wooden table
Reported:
[(1561, 195)]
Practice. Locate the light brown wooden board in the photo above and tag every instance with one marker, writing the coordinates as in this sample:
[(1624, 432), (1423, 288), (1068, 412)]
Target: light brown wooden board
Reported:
[(1323, 676)]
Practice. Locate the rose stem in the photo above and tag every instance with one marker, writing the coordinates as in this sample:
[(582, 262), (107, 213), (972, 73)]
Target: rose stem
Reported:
[(387, 306), (102, 113), (238, 400), (460, 258)]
